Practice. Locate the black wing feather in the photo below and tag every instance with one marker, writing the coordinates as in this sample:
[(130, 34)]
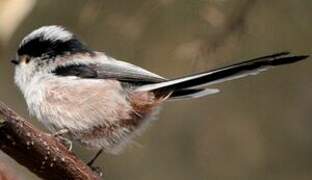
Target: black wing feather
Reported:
[(93, 71), (81, 71)]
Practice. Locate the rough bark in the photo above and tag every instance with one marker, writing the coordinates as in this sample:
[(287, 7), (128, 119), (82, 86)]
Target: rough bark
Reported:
[(41, 153)]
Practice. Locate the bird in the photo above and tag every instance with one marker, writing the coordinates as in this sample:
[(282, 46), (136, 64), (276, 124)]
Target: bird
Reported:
[(101, 102)]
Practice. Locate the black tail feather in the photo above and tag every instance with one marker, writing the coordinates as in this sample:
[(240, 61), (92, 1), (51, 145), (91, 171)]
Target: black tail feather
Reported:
[(249, 67)]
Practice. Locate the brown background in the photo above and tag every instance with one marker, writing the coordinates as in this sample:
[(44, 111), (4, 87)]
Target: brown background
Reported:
[(256, 128)]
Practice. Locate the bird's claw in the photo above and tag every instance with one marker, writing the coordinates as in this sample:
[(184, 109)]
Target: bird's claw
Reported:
[(59, 136), (66, 142), (97, 170)]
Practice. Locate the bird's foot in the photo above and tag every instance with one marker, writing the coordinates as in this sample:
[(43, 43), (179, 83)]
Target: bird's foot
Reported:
[(96, 169), (60, 132), (65, 141)]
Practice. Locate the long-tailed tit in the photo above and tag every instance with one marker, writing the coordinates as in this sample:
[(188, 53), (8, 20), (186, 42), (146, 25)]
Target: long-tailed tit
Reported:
[(102, 102)]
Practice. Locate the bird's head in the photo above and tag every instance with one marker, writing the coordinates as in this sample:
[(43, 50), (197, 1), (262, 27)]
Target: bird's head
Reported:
[(40, 51)]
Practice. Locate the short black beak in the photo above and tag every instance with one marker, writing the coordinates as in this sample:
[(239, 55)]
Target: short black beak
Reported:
[(14, 61)]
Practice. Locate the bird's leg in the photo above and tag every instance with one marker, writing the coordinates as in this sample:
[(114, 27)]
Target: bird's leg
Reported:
[(59, 135), (90, 163), (95, 157)]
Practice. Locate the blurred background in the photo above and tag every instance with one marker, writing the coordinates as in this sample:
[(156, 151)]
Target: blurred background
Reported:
[(257, 127)]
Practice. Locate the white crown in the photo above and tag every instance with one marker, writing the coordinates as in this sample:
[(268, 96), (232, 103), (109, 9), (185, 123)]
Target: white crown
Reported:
[(52, 33)]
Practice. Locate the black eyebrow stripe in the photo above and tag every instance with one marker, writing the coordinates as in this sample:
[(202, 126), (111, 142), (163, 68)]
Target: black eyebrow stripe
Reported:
[(39, 46)]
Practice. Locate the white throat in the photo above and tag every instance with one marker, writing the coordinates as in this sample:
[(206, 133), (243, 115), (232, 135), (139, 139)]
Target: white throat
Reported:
[(31, 85)]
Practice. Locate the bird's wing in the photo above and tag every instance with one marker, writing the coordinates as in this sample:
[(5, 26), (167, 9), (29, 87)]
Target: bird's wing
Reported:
[(104, 67), (108, 68)]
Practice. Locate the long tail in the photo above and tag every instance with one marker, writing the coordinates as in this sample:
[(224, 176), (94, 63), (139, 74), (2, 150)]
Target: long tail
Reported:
[(193, 86)]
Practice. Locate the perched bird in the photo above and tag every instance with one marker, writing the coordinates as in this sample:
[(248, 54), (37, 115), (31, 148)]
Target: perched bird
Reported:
[(102, 102)]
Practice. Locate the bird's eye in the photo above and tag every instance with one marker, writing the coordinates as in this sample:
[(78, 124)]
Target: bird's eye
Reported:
[(27, 59)]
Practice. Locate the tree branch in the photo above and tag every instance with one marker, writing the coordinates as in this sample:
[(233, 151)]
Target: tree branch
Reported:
[(41, 153)]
